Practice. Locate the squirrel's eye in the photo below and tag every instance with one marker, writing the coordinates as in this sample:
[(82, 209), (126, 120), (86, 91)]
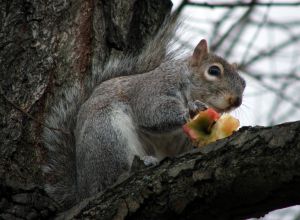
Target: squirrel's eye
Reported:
[(214, 71)]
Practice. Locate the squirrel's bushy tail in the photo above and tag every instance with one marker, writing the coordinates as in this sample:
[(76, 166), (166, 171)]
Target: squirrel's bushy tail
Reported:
[(61, 164), (60, 142), (159, 49)]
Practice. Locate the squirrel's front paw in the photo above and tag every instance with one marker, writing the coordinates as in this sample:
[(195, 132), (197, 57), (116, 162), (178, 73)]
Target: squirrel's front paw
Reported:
[(140, 163), (150, 160), (196, 107)]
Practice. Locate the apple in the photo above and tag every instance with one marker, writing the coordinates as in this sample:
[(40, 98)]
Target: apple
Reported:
[(208, 126)]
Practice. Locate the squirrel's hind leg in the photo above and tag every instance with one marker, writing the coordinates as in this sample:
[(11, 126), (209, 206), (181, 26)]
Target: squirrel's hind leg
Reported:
[(106, 144)]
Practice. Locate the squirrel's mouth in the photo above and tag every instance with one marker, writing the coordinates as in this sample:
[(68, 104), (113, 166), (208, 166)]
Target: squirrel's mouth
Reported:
[(224, 104), (221, 110)]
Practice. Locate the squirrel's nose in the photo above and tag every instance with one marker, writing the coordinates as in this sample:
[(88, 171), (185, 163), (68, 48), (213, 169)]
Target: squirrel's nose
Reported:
[(235, 101)]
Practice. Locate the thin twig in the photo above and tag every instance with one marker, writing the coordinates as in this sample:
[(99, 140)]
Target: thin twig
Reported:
[(286, 114), (284, 86), (237, 37), (273, 51), (259, 28), (243, 4), (218, 24), (215, 46), (179, 9), (276, 91)]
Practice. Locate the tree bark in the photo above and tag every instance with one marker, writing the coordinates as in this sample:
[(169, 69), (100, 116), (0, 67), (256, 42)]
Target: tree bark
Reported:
[(247, 175), (46, 46)]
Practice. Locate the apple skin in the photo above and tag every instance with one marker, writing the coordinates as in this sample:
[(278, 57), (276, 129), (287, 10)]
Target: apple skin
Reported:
[(208, 126)]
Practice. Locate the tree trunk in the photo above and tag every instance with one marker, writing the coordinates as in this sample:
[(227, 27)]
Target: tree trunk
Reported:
[(47, 46)]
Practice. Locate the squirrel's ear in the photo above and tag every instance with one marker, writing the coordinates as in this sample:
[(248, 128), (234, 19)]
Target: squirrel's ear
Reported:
[(200, 51)]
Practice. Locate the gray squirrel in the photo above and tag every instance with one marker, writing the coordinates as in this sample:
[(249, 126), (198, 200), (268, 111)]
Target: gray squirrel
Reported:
[(135, 106)]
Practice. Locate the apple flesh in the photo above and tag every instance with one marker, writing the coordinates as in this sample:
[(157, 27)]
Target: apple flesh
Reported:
[(208, 126)]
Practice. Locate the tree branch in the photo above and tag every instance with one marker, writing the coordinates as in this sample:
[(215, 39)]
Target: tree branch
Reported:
[(254, 171), (263, 54), (242, 4), (242, 20)]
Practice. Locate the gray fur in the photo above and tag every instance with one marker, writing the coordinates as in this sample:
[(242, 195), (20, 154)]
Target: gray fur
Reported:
[(61, 147), (139, 110), (61, 165)]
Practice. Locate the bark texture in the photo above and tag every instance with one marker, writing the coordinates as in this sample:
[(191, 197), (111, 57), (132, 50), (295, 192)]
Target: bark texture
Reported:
[(46, 46), (247, 175)]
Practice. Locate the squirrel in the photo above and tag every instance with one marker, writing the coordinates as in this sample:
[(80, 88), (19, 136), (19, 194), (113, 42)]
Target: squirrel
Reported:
[(136, 106)]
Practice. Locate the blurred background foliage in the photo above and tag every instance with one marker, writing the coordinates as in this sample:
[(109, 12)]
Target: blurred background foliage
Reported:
[(263, 38)]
